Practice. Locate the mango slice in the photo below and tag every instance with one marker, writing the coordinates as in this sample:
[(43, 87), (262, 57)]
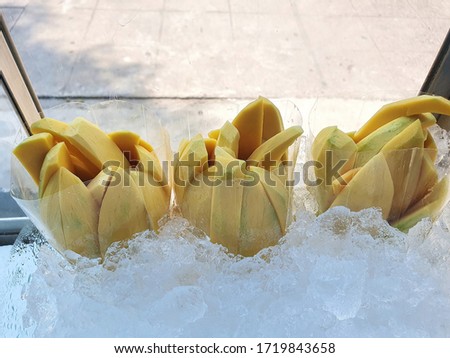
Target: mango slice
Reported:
[(427, 179), (431, 147), (429, 206), (97, 186), (340, 183), (192, 161), (411, 137), (32, 151), (375, 141), (127, 142), (50, 125), (229, 138), (331, 147), (214, 134), (274, 148), (196, 203), (227, 166), (372, 186), (257, 122), (83, 167), (122, 211), (94, 144), (57, 157), (399, 132), (156, 197), (404, 154), (89, 195), (150, 164), (426, 119), (406, 107), (226, 208), (249, 123), (272, 123), (404, 166), (210, 145), (237, 198), (70, 213), (277, 193), (259, 221)]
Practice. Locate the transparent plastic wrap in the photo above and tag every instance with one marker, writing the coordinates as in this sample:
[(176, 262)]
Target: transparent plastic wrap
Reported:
[(82, 209)]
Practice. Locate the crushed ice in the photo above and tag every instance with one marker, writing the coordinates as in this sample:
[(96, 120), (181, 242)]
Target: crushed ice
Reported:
[(341, 274)]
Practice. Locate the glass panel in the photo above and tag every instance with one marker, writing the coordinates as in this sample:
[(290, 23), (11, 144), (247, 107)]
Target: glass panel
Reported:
[(11, 133)]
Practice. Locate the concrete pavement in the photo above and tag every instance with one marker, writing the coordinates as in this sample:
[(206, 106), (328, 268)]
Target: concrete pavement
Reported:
[(346, 49)]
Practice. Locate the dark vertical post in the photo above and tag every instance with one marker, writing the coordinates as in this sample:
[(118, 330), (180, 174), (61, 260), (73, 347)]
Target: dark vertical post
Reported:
[(438, 79)]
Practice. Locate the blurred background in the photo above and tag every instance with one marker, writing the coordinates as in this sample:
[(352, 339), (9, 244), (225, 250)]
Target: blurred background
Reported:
[(194, 50)]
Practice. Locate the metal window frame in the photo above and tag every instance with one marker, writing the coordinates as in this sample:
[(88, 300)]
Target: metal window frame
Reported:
[(19, 91)]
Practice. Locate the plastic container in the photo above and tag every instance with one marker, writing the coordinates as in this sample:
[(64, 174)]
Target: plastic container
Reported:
[(86, 220)]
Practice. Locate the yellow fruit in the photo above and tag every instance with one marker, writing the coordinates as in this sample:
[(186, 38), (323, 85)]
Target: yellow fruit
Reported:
[(399, 133), (404, 154), (429, 206), (372, 186), (122, 211), (116, 203), (277, 193), (210, 145), (340, 183), (227, 166), (259, 222), (32, 151), (196, 203), (427, 179), (411, 137), (426, 119), (372, 144), (97, 186), (94, 144), (156, 197), (150, 164), (331, 147), (214, 134), (229, 138), (405, 167), (192, 161), (50, 125), (407, 107), (57, 157), (226, 206), (70, 213), (249, 123), (127, 141), (243, 215), (431, 147), (256, 123), (84, 169), (272, 123), (274, 148), (231, 193)]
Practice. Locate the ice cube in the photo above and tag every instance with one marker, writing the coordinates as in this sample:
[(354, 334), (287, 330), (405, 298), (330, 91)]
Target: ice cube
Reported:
[(340, 274)]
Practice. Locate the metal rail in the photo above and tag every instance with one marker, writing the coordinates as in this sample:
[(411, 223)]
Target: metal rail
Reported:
[(19, 91), (437, 81)]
